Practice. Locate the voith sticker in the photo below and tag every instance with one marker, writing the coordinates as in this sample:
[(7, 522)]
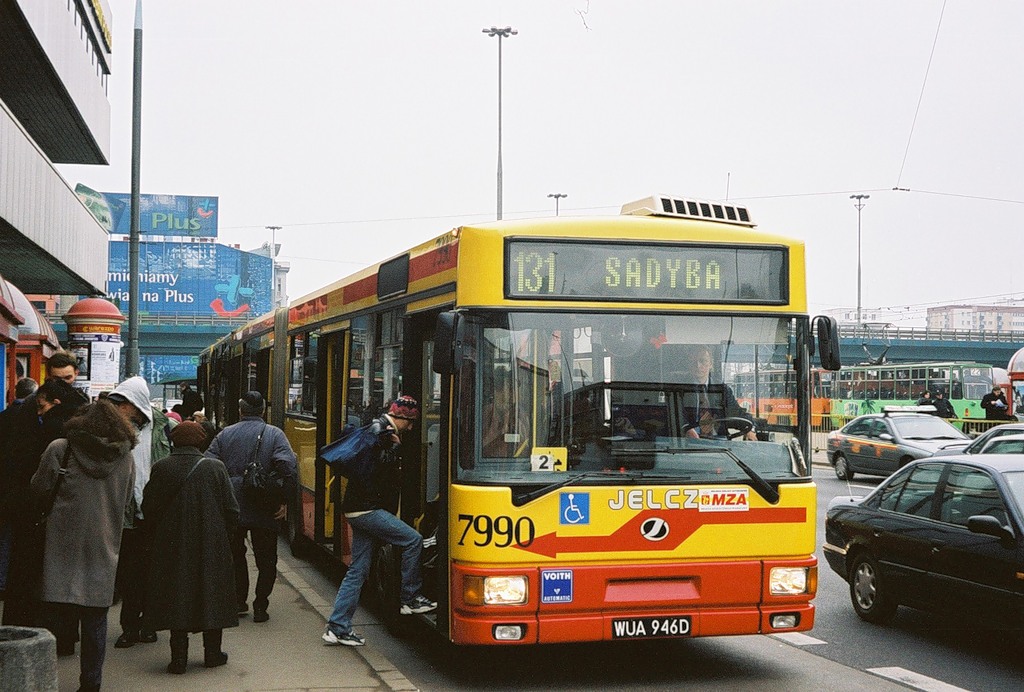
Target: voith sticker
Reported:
[(556, 586)]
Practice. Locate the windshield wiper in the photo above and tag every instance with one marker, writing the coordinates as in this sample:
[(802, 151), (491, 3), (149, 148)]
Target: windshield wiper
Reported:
[(759, 484), (519, 500)]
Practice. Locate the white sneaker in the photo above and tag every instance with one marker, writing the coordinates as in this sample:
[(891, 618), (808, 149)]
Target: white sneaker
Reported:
[(419, 604), (347, 639)]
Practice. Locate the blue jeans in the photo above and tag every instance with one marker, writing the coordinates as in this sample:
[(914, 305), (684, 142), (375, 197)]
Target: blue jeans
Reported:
[(368, 530)]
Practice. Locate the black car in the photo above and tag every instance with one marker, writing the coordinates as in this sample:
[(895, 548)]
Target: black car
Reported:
[(981, 441), (942, 534)]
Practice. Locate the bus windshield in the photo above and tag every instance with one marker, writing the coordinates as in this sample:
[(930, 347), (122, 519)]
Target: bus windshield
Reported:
[(649, 396)]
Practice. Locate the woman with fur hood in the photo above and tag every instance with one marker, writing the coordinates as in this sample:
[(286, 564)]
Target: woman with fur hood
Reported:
[(83, 531)]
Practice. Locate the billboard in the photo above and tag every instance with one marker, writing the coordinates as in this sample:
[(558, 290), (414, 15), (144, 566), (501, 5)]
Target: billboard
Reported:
[(192, 279), (158, 368), (167, 215)]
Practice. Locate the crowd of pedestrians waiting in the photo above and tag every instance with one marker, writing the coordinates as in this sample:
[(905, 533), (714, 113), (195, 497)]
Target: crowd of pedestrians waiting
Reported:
[(117, 498)]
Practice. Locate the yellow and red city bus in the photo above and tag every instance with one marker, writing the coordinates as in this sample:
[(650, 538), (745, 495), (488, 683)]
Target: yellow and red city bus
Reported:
[(557, 476)]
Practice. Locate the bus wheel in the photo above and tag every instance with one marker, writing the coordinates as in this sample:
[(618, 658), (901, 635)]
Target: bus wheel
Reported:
[(843, 471), (385, 584)]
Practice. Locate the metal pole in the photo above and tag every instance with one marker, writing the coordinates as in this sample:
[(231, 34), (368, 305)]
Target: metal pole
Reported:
[(273, 264), (499, 126), (557, 196), (500, 33), (859, 205), (131, 364)]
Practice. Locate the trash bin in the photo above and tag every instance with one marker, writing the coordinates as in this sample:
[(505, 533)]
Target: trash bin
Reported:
[(28, 659)]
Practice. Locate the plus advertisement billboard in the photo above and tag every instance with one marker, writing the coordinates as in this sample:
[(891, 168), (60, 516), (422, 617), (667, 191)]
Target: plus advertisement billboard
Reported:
[(192, 279), (192, 216)]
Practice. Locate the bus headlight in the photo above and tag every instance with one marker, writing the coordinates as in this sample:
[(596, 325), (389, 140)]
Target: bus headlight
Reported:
[(788, 581), (506, 590)]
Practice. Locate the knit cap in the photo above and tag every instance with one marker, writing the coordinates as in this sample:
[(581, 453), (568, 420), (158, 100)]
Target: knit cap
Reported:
[(404, 407)]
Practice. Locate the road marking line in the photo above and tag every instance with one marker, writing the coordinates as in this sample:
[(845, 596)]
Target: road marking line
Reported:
[(915, 680), (798, 639)]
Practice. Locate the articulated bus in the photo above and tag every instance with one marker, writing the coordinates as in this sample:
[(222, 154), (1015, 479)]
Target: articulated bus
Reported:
[(773, 395), (860, 389), (838, 397), (562, 488)]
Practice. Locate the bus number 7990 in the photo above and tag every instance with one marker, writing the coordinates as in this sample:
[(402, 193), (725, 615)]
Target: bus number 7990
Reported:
[(503, 531)]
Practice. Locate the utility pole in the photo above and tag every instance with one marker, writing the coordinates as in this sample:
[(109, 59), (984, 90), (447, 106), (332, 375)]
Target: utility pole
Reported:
[(131, 361), (273, 264), (859, 204), (557, 196), (500, 33)]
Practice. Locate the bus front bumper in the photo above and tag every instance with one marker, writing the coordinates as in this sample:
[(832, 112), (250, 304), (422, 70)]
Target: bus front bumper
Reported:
[(614, 602)]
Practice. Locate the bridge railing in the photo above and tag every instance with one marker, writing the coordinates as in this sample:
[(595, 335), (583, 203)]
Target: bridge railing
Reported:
[(894, 333)]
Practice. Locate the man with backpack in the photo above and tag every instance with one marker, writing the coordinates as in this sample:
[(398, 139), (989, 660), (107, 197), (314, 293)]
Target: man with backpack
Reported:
[(249, 441), (371, 498)]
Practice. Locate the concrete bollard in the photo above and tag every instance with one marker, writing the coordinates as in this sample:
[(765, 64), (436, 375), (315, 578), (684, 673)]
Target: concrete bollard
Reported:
[(28, 659)]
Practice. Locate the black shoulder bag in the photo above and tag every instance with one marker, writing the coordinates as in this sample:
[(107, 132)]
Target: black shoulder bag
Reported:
[(44, 514), (37, 549), (262, 486)]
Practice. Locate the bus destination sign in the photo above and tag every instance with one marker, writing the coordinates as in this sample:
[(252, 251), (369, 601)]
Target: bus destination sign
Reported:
[(617, 271)]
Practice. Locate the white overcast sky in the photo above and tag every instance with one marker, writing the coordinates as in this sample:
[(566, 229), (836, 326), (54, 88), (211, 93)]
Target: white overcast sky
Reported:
[(363, 128)]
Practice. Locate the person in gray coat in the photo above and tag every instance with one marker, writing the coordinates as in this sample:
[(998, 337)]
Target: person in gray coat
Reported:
[(237, 445), (83, 531), (192, 513)]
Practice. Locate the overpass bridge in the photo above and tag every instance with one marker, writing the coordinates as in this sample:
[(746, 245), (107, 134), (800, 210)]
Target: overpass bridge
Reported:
[(862, 343), (187, 335)]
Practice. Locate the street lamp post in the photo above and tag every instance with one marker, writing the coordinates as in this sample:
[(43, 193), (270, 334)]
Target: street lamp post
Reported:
[(859, 204), (557, 196), (273, 263), (500, 33)]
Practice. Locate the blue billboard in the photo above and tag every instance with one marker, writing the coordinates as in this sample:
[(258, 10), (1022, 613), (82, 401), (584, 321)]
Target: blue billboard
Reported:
[(192, 279), (158, 368), (168, 215)]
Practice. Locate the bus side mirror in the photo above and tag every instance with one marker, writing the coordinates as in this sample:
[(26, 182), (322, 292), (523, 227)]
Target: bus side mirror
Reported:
[(828, 342), (445, 342)]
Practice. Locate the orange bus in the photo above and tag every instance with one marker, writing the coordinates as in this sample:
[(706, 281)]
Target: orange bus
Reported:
[(772, 395)]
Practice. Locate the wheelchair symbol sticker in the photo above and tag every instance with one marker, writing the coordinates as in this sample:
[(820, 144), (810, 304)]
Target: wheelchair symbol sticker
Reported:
[(574, 508)]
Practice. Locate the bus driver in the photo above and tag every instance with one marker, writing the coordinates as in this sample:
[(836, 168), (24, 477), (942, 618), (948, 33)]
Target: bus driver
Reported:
[(712, 401)]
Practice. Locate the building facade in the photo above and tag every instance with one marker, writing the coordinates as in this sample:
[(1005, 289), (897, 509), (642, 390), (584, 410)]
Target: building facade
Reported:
[(982, 318), (55, 65)]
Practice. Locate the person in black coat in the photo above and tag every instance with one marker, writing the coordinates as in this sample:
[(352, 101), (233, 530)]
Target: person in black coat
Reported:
[(31, 428), (191, 401), (25, 387), (192, 512), (943, 409), (237, 445), (995, 406)]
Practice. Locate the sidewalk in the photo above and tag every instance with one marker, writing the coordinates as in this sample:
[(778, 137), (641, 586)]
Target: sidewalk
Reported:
[(283, 654)]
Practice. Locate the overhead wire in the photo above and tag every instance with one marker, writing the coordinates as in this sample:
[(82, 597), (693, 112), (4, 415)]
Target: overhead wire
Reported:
[(920, 98)]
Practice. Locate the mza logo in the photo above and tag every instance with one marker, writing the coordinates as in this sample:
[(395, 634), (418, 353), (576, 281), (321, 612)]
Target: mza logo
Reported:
[(724, 500), (654, 529)]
